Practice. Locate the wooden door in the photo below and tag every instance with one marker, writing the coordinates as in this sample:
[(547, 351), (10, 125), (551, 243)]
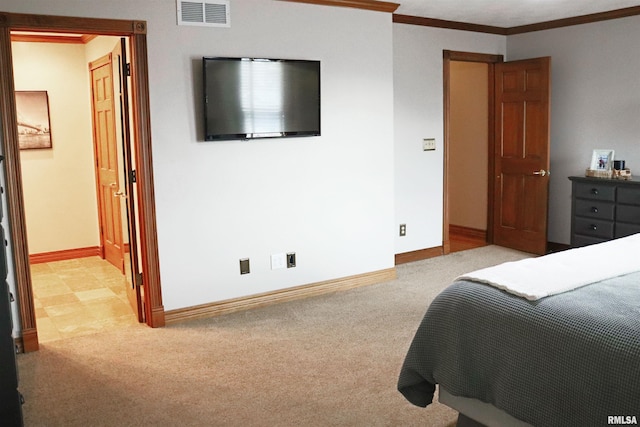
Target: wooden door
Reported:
[(121, 71), (106, 152), (521, 186)]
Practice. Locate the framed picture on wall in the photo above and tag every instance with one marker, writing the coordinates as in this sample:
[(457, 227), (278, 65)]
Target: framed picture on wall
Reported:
[(602, 160), (34, 127)]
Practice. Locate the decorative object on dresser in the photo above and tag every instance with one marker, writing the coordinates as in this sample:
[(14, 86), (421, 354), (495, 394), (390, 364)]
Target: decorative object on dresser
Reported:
[(624, 174), (619, 170), (603, 209), (601, 164)]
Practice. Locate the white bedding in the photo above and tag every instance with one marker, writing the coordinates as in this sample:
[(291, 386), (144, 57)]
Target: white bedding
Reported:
[(536, 278)]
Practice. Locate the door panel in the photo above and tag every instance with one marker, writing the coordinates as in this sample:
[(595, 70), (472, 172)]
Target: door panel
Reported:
[(134, 293), (522, 90), (106, 149)]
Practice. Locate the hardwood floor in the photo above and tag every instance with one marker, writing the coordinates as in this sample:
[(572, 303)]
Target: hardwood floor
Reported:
[(461, 239)]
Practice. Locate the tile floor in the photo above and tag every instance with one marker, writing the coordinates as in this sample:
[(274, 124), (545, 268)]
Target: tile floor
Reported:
[(79, 297)]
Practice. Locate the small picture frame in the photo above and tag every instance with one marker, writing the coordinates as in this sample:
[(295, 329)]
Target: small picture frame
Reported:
[(602, 160), (34, 128)]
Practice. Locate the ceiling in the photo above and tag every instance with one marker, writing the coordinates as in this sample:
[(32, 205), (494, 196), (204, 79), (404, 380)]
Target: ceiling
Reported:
[(507, 13)]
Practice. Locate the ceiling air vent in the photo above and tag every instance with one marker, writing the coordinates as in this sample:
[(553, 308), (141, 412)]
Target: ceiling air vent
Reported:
[(210, 13)]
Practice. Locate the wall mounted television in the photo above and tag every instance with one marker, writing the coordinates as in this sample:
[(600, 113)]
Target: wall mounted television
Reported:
[(247, 98)]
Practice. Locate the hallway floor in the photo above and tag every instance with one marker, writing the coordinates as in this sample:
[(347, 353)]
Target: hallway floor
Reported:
[(79, 297), (460, 242)]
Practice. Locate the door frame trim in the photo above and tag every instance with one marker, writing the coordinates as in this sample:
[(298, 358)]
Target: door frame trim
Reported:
[(490, 60), (136, 31)]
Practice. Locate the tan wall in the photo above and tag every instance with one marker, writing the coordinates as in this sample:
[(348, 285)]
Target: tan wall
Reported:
[(468, 147), (59, 183)]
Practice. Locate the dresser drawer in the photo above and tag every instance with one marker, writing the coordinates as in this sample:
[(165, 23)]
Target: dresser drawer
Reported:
[(594, 227), (623, 229), (595, 191), (629, 196), (594, 209), (577, 240), (626, 213)]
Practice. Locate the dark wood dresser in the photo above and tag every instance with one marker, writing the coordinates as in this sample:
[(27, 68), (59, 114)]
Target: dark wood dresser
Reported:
[(603, 209), (10, 397)]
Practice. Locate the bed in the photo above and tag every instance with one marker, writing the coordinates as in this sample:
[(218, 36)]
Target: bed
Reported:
[(565, 353)]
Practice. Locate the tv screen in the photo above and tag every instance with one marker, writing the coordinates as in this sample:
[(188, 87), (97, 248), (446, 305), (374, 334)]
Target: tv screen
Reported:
[(249, 98)]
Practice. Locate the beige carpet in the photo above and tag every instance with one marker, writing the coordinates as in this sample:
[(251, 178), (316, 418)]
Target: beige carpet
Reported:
[(325, 361)]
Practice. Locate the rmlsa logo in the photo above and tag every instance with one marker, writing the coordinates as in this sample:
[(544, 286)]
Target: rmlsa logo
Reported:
[(622, 419)]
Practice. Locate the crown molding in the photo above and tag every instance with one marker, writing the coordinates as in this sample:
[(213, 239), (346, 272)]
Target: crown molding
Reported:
[(52, 38), (452, 25), (576, 20), (507, 31), (380, 6)]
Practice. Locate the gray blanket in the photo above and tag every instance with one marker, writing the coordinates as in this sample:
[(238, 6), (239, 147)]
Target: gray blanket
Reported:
[(571, 359)]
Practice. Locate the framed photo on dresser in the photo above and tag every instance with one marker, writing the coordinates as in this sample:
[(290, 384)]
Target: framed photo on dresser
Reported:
[(602, 160)]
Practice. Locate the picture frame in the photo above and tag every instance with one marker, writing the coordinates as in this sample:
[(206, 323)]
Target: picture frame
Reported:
[(34, 124), (602, 160)]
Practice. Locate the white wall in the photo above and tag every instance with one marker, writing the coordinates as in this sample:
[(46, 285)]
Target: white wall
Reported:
[(329, 198), (59, 183), (418, 109), (595, 101)]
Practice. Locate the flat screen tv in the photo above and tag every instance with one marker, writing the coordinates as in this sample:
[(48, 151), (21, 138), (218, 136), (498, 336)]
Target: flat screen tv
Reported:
[(246, 98)]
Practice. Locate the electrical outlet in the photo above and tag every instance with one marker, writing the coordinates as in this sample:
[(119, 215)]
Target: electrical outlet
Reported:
[(403, 230), (244, 266), (291, 259), (429, 144)]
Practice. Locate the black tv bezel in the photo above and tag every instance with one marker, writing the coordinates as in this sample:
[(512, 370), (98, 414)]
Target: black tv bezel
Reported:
[(262, 135)]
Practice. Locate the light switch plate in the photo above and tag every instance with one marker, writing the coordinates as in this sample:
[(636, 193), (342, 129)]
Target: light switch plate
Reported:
[(428, 144)]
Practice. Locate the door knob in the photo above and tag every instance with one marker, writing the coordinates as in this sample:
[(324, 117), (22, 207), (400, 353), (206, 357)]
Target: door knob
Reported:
[(541, 172)]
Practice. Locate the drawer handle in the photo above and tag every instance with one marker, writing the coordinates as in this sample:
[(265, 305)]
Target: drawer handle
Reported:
[(593, 227), (594, 209), (594, 191)]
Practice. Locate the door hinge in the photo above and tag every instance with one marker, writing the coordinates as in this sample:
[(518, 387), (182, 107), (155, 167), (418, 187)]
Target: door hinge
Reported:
[(139, 280), (133, 176), (127, 69)]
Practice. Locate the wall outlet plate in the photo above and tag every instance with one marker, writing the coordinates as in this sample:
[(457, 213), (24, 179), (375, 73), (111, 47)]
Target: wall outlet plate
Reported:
[(291, 259), (403, 230), (278, 261), (244, 266)]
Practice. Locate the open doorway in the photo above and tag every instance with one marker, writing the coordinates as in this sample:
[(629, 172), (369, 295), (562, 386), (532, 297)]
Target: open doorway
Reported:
[(518, 150), (79, 286), (468, 136), (468, 154), (143, 173)]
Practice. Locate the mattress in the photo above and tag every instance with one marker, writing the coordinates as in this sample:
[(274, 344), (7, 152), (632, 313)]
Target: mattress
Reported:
[(572, 359)]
